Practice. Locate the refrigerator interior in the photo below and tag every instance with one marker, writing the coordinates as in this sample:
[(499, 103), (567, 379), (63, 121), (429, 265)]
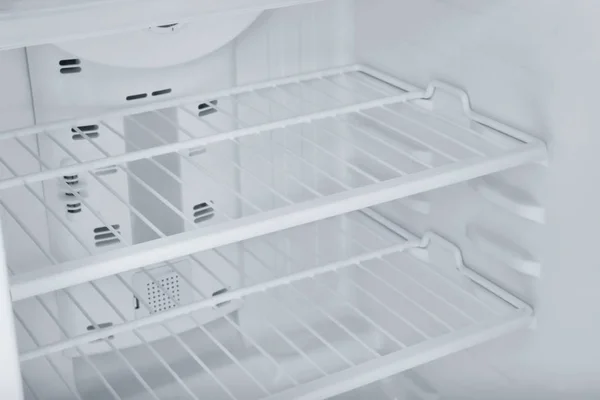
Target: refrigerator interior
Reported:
[(523, 62), (228, 226)]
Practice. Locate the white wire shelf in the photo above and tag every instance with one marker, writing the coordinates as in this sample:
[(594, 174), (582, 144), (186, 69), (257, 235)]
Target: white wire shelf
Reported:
[(259, 158), (366, 312), (269, 105)]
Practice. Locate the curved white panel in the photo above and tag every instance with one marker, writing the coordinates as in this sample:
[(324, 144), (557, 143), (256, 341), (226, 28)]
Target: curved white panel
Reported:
[(417, 203), (511, 198), (505, 251), (164, 45), (32, 22)]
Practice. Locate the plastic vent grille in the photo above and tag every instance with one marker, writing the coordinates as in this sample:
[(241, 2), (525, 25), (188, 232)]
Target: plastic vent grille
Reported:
[(163, 294), (75, 206), (90, 132), (70, 66), (104, 236), (203, 212), (205, 109), (103, 325)]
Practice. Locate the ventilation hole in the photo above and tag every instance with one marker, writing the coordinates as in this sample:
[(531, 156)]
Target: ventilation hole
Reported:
[(103, 236), (207, 108), (71, 179), (91, 135), (200, 220), (204, 215), (70, 61), (110, 242), (85, 128), (168, 28), (100, 326), (163, 294), (106, 171), (103, 325), (201, 206), (161, 92), (211, 103), (75, 206), (218, 293), (136, 96), (70, 70), (90, 131), (106, 229), (203, 212)]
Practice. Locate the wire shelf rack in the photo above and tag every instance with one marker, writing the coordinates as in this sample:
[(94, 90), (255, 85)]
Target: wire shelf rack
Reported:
[(269, 105), (310, 318), (258, 158)]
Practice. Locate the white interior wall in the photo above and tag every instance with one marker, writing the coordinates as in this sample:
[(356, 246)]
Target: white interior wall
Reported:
[(16, 109), (531, 64), (294, 40)]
